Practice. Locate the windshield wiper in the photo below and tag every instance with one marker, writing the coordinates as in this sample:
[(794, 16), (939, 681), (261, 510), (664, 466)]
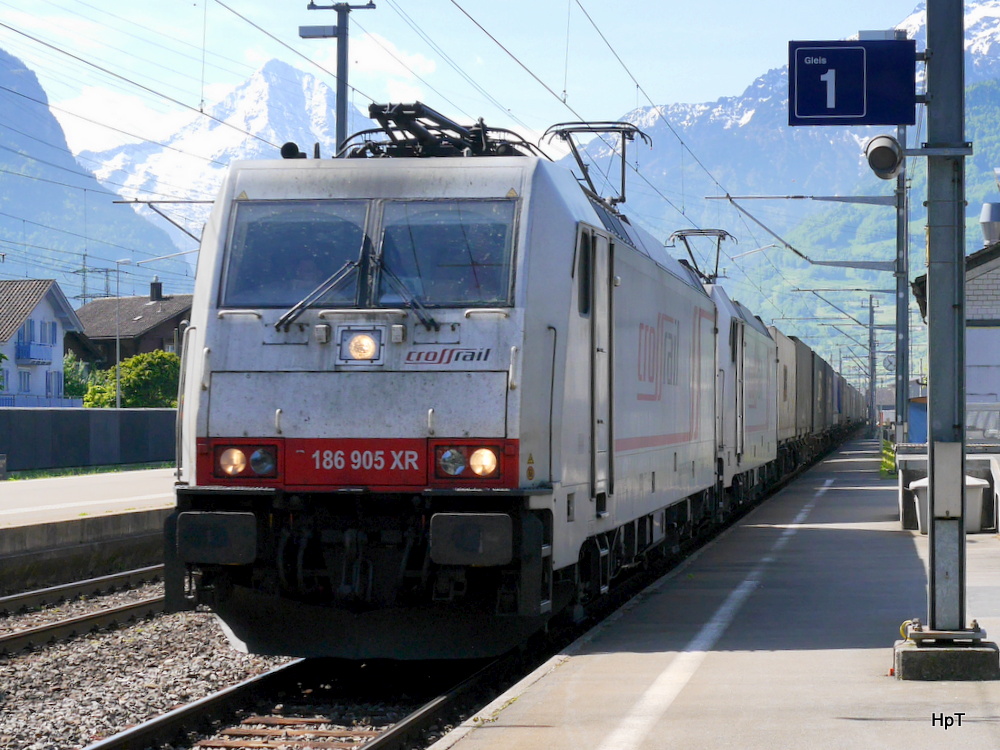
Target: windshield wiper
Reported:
[(329, 285), (409, 298)]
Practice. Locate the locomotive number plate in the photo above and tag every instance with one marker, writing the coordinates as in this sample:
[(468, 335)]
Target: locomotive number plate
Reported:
[(350, 462)]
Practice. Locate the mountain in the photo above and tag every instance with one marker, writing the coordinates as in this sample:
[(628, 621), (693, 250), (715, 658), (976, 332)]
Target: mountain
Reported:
[(277, 104), (55, 217), (742, 146), (747, 146)]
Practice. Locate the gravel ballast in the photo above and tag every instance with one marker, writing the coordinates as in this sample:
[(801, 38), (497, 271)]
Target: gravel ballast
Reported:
[(71, 694)]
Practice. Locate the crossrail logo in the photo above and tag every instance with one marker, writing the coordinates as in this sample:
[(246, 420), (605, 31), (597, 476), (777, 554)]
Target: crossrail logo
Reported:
[(658, 356), (447, 356)]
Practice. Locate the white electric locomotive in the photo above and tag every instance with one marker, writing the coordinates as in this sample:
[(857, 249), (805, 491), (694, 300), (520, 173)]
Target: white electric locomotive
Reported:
[(427, 402)]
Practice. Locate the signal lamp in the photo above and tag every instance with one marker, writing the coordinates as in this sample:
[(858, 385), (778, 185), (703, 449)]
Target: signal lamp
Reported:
[(885, 156)]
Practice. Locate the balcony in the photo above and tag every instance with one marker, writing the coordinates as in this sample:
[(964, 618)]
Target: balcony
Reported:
[(33, 354), (37, 402)]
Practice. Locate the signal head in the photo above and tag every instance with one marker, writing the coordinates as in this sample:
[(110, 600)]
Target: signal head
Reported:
[(885, 156)]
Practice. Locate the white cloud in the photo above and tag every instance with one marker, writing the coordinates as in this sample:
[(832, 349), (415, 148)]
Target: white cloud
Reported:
[(402, 91), (373, 55)]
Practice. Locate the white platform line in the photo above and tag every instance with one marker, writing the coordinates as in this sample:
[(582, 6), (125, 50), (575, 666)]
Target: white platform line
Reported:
[(632, 730)]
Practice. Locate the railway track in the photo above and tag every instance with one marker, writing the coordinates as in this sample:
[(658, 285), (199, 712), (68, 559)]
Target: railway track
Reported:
[(309, 731), (83, 623), (101, 585), (256, 731)]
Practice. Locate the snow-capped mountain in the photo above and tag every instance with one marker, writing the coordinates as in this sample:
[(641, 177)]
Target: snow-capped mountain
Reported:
[(742, 145), (739, 145), (277, 104), (56, 220), (982, 37)]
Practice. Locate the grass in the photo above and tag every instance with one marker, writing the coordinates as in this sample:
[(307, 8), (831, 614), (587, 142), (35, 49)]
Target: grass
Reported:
[(888, 468), (74, 471)]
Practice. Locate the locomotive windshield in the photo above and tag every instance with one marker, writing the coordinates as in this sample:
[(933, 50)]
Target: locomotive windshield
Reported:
[(448, 253), (282, 250), (433, 253)]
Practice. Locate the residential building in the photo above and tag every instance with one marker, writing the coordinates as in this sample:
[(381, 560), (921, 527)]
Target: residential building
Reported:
[(982, 343), (135, 325), (35, 316)]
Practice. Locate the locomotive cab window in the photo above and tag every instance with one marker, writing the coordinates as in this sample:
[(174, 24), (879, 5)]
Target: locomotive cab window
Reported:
[(280, 251), (447, 253)]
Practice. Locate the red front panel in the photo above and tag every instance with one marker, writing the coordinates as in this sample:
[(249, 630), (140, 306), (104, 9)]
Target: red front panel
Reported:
[(379, 464), (356, 462)]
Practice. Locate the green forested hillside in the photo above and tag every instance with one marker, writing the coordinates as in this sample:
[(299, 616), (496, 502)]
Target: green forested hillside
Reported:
[(864, 232)]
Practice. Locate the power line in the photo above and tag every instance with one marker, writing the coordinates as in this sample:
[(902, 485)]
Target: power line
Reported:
[(514, 58), (415, 74), (291, 49), (454, 65), (111, 127), (656, 108), (139, 85)]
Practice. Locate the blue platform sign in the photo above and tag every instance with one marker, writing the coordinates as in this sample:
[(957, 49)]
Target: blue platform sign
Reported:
[(869, 82)]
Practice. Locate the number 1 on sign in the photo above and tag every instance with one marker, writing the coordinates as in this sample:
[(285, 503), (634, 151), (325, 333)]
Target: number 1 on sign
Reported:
[(830, 79)]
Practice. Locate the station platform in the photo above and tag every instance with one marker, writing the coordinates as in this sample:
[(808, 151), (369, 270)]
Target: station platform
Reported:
[(779, 634), (64, 528), (30, 502)]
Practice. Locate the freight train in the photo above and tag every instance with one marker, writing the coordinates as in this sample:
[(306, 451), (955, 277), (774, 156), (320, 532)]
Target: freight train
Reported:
[(436, 392)]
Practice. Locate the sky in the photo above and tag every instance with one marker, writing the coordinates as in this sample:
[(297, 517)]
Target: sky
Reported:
[(127, 70)]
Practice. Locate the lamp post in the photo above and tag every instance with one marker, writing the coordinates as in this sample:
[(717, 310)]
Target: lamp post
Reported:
[(118, 329), (118, 305), (340, 32)]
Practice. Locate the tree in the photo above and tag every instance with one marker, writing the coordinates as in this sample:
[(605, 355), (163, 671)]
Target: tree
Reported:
[(147, 380), (75, 376)]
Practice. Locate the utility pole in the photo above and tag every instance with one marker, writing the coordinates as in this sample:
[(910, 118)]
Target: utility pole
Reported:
[(872, 403), (960, 651), (902, 373), (946, 312), (340, 32)]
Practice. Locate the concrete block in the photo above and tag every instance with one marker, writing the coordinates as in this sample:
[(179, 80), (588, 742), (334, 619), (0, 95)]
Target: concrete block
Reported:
[(946, 662)]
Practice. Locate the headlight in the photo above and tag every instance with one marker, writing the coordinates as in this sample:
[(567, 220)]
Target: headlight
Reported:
[(232, 461), (244, 462), (262, 462), (469, 462), (452, 461), (483, 462), (362, 346)]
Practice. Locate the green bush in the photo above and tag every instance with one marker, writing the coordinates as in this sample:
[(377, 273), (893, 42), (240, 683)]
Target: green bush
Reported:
[(147, 381), (75, 376)]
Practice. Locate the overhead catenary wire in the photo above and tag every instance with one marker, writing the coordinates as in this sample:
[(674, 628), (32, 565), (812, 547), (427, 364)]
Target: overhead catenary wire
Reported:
[(290, 48), (139, 85), (419, 77), (459, 69), (130, 134), (659, 112)]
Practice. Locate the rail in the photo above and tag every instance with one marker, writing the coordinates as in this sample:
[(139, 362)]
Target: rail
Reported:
[(11, 642), (100, 585), (256, 731)]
